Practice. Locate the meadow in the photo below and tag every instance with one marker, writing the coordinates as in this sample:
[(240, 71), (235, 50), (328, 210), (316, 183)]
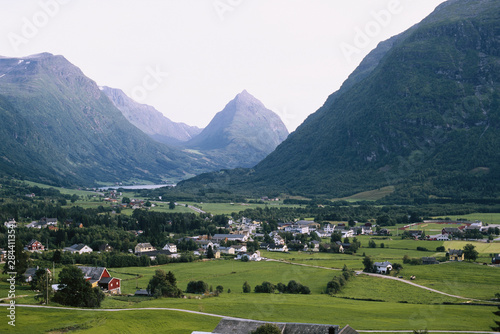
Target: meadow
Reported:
[(366, 303)]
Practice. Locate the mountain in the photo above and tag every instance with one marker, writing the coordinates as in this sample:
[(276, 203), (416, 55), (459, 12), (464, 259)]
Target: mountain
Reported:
[(58, 127), (421, 112), (242, 134), (149, 120)]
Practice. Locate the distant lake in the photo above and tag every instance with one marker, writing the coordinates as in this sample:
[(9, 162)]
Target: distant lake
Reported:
[(144, 186)]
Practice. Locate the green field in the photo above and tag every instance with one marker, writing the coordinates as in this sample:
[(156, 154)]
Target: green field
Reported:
[(372, 195), (402, 306), (29, 320), (486, 218), (228, 208)]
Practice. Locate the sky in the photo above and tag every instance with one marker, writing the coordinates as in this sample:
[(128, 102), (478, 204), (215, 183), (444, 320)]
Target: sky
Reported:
[(189, 58)]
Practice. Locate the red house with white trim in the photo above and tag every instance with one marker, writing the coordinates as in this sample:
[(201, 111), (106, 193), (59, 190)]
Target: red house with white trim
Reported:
[(99, 276), (35, 245)]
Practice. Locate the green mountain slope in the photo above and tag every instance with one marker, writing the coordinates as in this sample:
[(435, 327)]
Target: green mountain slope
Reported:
[(58, 127), (422, 114), (242, 134)]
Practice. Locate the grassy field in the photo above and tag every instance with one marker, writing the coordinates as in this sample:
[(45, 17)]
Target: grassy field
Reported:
[(228, 208), (371, 195), (29, 320), (487, 218), (402, 306)]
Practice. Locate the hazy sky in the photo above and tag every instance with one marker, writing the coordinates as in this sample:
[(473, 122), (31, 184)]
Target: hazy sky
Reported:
[(188, 58)]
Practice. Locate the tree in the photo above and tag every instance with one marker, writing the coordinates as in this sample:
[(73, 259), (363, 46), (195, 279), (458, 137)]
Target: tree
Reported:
[(267, 329), (164, 285), (171, 205), (125, 200), (265, 287), (336, 236), (372, 244), (197, 287), (74, 290), (351, 222), (56, 257), (470, 253), (42, 282), (210, 253), (368, 263), (333, 287), (219, 288), (246, 287)]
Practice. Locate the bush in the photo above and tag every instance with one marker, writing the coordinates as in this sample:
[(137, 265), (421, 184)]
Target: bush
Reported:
[(197, 287), (440, 249), (423, 249), (267, 329), (265, 287), (246, 288)]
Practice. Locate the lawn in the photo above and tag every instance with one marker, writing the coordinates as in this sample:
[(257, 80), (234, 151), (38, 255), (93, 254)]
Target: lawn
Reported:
[(228, 208), (29, 320), (459, 278), (422, 310), (486, 218)]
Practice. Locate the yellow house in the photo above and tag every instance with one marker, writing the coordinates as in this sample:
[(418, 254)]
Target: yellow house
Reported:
[(456, 254)]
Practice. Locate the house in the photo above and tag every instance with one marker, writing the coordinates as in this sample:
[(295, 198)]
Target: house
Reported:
[(78, 248), (29, 274), (366, 229), (205, 244), (142, 293), (99, 276), (455, 254), (35, 245), (255, 256), (241, 326), (154, 253), (240, 248), (172, 248), (439, 237), (277, 248), (347, 233), (229, 237), (382, 267), (278, 240), (495, 259), (450, 230), (227, 250), (429, 260), (144, 247), (105, 248), (315, 246), (328, 228), (10, 223), (296, 228)]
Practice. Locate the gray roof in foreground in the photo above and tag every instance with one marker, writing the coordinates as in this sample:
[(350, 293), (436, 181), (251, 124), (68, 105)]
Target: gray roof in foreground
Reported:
[(231, 326)]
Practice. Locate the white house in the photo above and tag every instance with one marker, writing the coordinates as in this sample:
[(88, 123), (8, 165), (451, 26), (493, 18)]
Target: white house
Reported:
[(172, 248), (230, 237), (382, 267), (278, 240), (439, 237), (255, 256), (144, 247), (277, 248), (227, 250), (78, 248), (328, 228), (240, 248), (302, 229), (347, 233)]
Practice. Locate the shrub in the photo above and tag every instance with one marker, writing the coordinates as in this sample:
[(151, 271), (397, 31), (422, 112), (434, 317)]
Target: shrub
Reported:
[(197, 287)]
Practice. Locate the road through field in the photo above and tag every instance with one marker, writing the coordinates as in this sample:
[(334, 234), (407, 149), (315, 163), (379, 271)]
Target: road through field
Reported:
[(384, 277), (220, 316)]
